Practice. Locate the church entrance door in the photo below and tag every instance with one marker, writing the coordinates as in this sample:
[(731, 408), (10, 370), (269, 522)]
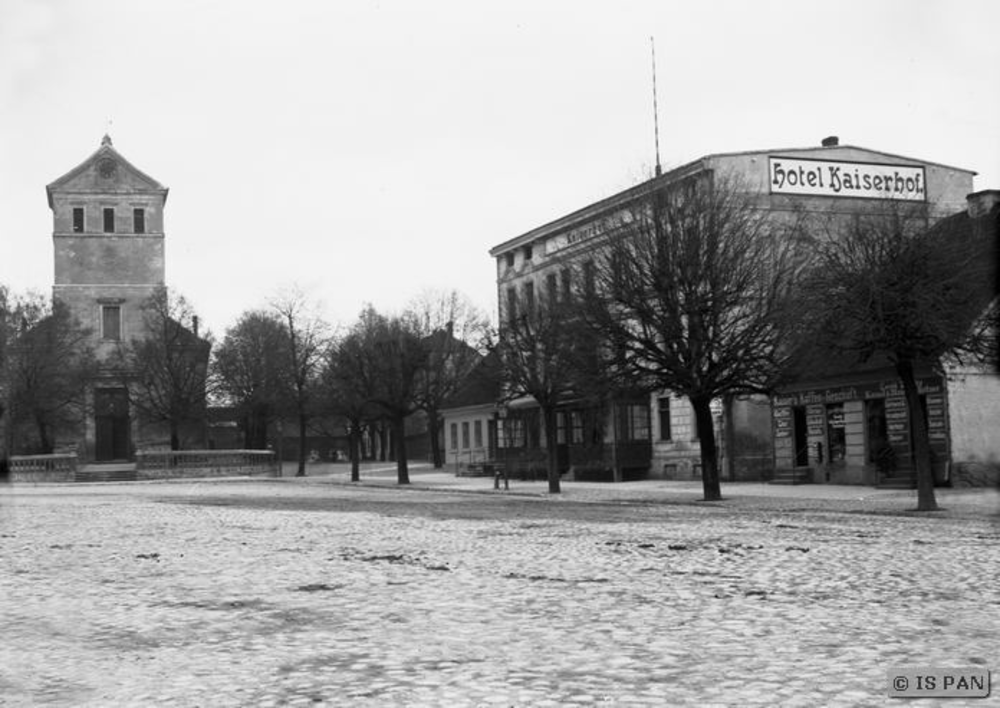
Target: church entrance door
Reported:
[(112, 424)]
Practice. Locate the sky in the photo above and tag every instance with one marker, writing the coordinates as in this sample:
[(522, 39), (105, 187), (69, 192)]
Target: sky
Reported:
[(366, 152)]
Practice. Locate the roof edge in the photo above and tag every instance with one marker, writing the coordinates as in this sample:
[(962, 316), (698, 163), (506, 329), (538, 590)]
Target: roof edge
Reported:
[(106, 148)]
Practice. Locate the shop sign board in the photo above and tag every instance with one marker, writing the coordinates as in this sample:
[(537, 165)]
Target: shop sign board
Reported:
[(782, 422), (814, 420), (833, 178), (882, 389)]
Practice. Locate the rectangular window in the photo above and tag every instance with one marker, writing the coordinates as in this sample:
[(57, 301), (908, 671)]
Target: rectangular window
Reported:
[(664, 410), (477, 433), (528, 252), (78, 220), (514, 432), (511, 305), (510, 259), (109, 220), (551, 288), (529, 297), (138, 221), (589, 277), (576, 427), (633, 422), (565, 284), (454, 436), (465, 435), (111, 322)]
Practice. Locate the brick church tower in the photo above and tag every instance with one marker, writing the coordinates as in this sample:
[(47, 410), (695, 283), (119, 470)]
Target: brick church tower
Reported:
[(109, 259)]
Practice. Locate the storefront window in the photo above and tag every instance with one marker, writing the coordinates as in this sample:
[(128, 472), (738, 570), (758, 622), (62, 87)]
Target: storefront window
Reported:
[(576, 427)]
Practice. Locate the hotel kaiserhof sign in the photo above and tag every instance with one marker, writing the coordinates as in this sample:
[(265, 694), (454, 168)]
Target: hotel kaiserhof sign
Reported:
[(831, 178)]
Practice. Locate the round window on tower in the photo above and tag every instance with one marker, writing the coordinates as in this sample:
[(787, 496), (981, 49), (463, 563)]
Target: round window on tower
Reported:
[(107, 168)]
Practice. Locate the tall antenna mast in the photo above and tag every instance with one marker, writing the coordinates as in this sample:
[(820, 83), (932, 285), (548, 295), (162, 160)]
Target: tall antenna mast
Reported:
[(656, 119)]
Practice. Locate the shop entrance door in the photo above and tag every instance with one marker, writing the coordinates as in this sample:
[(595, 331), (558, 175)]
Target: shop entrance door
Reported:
[(801, 436), (880, 452), (111, 421)]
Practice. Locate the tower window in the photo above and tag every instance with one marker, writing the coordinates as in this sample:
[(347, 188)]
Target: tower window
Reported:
[(78, 220), (139, 221), (109, 220), (111, 322)]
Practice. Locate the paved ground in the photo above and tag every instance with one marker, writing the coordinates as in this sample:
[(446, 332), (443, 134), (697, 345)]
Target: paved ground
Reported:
[(316, 591)]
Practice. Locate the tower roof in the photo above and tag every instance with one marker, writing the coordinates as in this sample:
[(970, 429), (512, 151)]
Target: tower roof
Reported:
[(105, 171)]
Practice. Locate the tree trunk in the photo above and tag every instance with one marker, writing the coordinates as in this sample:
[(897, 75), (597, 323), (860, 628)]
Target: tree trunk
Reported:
[(434, 430), (551, 448), (399, 435), (43, 436), (926, 500), (4, 448), (383, 441), (355, 451), (709, 453), (175, 438), (302, 447)]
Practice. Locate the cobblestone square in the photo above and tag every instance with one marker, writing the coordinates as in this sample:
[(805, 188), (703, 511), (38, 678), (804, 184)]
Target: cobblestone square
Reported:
[(237, 593)]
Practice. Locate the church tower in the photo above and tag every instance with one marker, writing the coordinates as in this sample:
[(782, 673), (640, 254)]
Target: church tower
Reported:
[(109, 258)]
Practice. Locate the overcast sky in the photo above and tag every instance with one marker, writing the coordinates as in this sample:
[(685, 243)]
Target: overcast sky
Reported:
[(366, 151)]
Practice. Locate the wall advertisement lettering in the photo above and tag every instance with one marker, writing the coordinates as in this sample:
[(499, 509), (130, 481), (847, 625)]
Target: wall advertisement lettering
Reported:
[(847, 179)]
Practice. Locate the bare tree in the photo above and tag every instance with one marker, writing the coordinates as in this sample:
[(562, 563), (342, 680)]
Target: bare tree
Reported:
[(387, 357), (168, 367), (247, 368), (889, 284), (344, 379), (548, 353), (693, 293), (52, 362), (47, 361), (454, 330), (305, 344)]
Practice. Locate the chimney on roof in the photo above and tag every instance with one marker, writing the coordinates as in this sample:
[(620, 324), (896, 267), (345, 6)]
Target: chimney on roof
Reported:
[(194, 324), (832, 141), (982, 202)]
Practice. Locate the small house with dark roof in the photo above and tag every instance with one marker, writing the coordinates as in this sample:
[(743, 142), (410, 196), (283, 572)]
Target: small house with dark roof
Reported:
[(470, 419)]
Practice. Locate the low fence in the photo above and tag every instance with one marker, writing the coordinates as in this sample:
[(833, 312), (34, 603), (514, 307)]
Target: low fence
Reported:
[(173, 464), (43, 468)]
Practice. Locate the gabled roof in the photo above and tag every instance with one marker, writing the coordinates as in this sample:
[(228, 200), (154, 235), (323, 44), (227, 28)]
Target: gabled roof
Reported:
[(84, 177), (481, 386)]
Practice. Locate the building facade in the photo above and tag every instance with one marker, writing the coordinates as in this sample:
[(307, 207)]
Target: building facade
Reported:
[(108, 242), (817, 187)]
